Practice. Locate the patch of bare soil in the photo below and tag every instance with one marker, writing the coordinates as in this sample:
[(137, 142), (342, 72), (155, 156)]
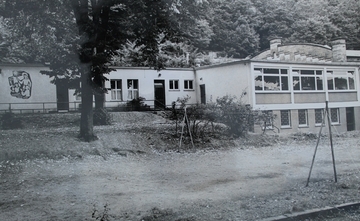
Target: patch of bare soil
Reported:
[(136, 171)]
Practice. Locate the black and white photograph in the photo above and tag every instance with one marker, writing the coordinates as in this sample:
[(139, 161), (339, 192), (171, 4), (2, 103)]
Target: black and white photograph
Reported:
[(180, 110)]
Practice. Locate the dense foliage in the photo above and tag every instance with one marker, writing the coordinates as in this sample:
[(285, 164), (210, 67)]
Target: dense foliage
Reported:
[(235, 28)]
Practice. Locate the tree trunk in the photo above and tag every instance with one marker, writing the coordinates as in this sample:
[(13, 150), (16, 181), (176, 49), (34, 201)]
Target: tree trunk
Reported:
[(86, 123), (99, 101)]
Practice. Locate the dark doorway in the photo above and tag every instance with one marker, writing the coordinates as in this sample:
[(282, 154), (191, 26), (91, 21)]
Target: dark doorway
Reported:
[(62, 95), (350, 119), (159, 91), (202, 94)]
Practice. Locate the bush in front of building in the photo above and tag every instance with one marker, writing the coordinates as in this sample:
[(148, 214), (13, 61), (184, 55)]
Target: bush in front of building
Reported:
[(234, 114), (10, 121), (227, 110)]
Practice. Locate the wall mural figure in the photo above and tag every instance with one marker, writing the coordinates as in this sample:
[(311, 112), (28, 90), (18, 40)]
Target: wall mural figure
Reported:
[(20, 85)]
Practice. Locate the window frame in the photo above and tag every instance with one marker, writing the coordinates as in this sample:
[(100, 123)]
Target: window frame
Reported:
[(187, 85), (116, 90), (306, 118), (297, 73), (346, 74), (322, 117), (172, 82), (288, 118), (282, 76), (337, 115), (133, 93)]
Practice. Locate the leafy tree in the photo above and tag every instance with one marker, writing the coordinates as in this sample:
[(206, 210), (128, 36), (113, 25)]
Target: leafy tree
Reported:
[(234, 24), (102, 26), (345, 15)]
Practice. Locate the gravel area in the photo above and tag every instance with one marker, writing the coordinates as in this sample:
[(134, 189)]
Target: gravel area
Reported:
[(135, 171)]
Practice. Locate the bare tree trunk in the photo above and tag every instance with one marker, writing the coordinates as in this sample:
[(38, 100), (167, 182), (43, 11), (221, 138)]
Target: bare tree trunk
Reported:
[(86, 123)]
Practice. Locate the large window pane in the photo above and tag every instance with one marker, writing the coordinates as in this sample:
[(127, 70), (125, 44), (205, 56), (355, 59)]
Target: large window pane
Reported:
[(271, 83), (341, 83), (284, 83), (258, 83), (330, 81), (296, 83), (319, 83), (351, 83), (308, 83)]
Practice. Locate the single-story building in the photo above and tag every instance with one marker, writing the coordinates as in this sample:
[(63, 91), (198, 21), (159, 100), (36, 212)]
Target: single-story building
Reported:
[(293, 81)]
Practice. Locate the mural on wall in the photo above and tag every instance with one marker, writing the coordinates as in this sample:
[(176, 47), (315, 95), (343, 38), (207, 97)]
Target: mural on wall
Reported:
[(20, 85)]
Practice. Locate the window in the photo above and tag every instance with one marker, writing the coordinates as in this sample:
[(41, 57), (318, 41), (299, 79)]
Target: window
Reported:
[(174, 84), (188, 85), (334, 116), (133, 89), (307, 80), (116, 93), (341, 80), (285, 116), (319, 116), (270, 79), (303, 118)]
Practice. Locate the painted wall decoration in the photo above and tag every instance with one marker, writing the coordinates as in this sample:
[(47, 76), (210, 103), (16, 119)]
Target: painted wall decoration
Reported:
[(20, 85)]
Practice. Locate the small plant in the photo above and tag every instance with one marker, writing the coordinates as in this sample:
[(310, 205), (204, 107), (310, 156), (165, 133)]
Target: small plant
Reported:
[(10, 121), (102, 216), (137, 104)]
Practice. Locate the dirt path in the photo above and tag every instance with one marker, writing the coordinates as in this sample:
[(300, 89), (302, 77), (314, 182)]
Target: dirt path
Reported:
[(206, 185)]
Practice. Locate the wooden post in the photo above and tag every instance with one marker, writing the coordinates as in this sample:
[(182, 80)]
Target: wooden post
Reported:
[(331, 143), (317, 144)]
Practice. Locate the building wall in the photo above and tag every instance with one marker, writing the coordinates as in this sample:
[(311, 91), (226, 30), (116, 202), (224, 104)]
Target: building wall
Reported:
[(26, 88), (227, 79), (269, 95), (145, 78)]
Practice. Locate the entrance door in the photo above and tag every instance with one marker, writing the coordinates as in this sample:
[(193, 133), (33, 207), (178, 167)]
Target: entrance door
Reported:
[(350, 118), (159, 92), (62, 96), (202, 94)]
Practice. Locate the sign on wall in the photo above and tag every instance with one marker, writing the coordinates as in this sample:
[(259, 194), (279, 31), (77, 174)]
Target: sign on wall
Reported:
[(20, 85)]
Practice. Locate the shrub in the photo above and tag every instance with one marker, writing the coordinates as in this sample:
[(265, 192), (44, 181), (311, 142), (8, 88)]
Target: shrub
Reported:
[(137, 104), (234, 114), (10, 121)]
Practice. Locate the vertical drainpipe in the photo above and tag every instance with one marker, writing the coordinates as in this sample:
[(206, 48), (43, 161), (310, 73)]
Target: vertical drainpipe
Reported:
[(291, 85), (326, 85), (357, 85), (252, 86)]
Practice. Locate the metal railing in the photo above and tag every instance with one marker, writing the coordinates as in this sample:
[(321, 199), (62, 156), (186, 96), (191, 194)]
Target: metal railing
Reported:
[(49, 107)]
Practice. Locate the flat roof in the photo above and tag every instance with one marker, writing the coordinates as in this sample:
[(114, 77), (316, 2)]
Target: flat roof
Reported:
[(353, 53)]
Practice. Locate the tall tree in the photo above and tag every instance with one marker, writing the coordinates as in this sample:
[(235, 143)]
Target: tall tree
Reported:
[(102, 27)]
